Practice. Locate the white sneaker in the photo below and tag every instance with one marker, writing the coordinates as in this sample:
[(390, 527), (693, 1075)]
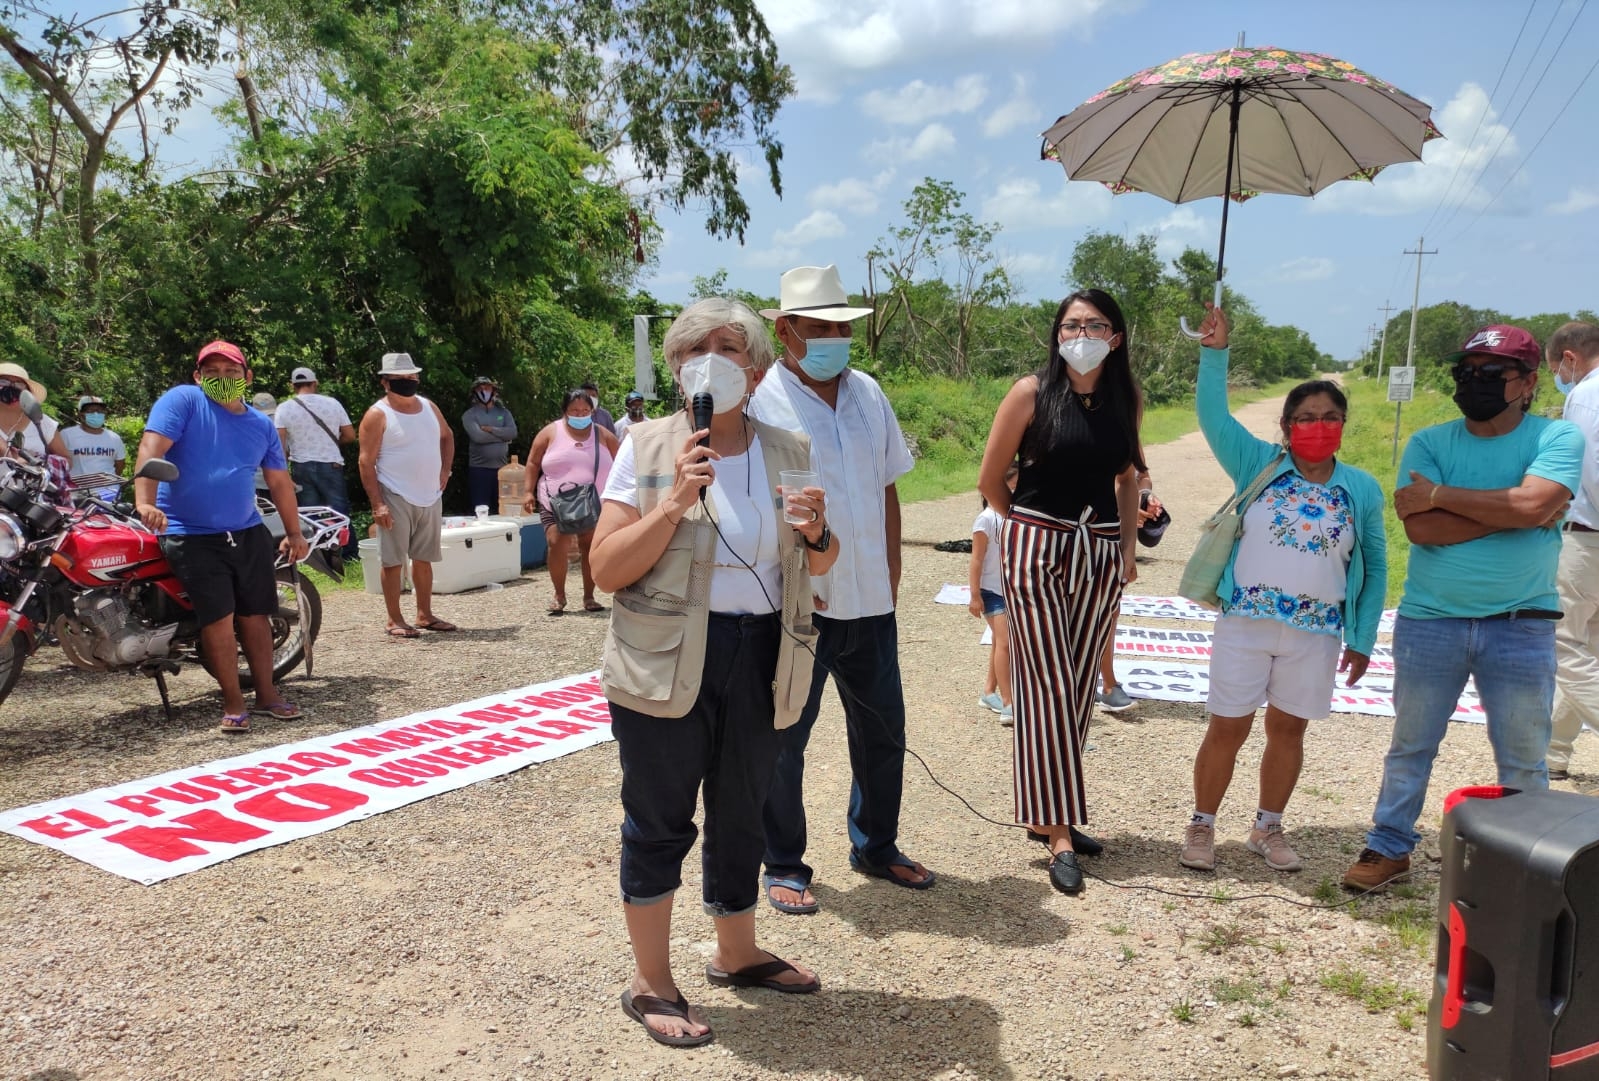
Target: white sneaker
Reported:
[(992, 701), (1271, 844), (1199, 847), (1007, 716)]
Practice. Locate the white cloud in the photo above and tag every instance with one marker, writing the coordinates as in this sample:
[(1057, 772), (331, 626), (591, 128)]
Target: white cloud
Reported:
[(1305, 269), (1019, 111), (1454, 171), (1576, 201), (935, 140), (917, 102), (1021, 204), (818, 225), (852, 194), (1182, 228), (773, 258), (829, 42)]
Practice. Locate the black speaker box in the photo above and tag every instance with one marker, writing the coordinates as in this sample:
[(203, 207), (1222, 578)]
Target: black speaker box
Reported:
[(1516, 991)]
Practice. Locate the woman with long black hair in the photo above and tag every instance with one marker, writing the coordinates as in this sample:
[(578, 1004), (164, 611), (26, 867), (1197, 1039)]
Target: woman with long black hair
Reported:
[(1068, 546)]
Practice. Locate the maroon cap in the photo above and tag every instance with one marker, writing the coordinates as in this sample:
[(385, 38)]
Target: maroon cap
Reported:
[(1501, 340), (223, 349)]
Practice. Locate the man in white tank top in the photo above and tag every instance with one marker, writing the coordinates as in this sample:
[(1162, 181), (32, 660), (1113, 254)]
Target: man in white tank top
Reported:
[(406, 451)]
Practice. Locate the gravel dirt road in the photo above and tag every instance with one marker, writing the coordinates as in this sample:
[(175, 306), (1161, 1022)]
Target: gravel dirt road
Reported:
[(478, 935)]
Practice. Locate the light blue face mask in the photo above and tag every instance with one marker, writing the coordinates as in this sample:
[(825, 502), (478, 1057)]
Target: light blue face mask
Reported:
[(580, 422), (1564, 386), (94, 420), (825, 358)]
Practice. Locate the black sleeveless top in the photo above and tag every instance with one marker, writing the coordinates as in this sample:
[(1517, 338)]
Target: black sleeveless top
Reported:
[(1079, 470)]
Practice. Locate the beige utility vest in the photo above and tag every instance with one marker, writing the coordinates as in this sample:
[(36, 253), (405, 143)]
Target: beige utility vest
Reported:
[(655, 651)]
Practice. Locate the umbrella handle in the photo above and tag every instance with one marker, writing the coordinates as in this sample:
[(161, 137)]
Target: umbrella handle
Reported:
[(1182, 321)]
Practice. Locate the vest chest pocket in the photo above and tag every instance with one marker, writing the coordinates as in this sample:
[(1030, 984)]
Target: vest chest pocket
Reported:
[(670, 576), (642, 651)]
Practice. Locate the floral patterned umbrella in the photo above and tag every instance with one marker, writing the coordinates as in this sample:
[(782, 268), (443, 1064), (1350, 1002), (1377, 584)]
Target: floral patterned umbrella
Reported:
[(1240, 122)]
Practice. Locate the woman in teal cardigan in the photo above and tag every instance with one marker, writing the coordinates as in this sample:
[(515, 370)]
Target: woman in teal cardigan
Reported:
[(1308, 574)]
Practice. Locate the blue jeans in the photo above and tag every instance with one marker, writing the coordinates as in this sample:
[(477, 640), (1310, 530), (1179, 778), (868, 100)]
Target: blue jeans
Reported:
[(862, 655), (1513, 662), (322, 485), (725, 741)]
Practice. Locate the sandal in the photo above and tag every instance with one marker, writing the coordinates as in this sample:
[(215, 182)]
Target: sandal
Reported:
[(235, 722), (791, 908), (887, 874), (763, 975), (401, 630), (593, 606), (636, 1006), (283, 711), (436, 624)]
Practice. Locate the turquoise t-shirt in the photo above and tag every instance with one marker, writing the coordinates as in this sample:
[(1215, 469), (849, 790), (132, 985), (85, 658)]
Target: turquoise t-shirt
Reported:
[(1504, 571)]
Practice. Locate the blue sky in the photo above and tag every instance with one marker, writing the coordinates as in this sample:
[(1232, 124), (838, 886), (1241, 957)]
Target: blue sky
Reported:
[(894, 91)]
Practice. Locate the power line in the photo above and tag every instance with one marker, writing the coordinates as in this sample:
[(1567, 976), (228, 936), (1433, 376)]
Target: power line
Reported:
[(1481, 117), (1510, 127)]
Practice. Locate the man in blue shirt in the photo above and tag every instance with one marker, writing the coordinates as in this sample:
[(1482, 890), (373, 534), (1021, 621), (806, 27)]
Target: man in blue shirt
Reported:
[(1482, 506), (212, 534)]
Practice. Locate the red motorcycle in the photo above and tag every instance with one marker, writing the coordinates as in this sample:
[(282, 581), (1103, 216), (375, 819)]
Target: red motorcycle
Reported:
[(86, 574)]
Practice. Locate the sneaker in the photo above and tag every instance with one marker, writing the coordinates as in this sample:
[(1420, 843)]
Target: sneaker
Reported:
[(1114, 700), (1559, 773), (1271, 844), (992, 701), (1199, 847), (1007, 717), (1373, 871)]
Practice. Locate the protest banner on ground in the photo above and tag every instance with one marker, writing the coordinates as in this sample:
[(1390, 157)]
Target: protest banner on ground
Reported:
[(186, 819), (1141, 607)]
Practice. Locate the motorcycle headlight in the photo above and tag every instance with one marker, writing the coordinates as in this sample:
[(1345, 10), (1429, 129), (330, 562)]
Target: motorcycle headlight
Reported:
[(12, 539)]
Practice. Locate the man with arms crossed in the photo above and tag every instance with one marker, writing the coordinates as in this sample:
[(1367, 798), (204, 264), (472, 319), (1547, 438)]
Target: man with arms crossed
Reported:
[(1481, 504), (859, 452), (1573, 355)]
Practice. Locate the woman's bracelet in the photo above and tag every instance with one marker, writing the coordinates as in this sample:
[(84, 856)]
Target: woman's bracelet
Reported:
[(668, 517)]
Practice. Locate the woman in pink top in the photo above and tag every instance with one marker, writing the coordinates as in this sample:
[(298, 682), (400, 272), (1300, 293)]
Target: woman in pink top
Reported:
[(564, 452)]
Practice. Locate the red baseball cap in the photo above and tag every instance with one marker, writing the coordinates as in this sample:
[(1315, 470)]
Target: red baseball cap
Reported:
[(1501, 340), (223, 349)]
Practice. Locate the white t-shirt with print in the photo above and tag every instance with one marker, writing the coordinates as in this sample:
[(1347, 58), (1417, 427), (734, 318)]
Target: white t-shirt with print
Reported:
[(988, 523), (1293, 558), (307, 441)]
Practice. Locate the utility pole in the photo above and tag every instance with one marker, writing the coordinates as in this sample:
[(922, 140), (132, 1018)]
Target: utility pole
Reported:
[(1410, 351), (1381, 349)]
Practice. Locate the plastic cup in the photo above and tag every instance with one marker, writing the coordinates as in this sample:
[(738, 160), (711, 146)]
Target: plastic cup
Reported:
[(795, 481), (482, 511)]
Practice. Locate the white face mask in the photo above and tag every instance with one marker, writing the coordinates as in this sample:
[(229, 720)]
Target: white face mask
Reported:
[(726, 381), (1084, 354)]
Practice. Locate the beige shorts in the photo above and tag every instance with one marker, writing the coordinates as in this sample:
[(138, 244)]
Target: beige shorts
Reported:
[(1264, 660), (415, 534)]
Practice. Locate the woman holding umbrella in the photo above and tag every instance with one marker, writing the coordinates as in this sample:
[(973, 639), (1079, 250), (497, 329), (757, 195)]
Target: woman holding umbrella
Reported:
[(1068, 543), (1308, 573)]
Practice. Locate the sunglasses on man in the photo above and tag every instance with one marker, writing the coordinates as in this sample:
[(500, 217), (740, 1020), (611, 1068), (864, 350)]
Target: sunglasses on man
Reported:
[(1464, 372)]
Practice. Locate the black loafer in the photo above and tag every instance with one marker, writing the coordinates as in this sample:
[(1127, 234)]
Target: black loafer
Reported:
[(1064, 874), (1082, 844)]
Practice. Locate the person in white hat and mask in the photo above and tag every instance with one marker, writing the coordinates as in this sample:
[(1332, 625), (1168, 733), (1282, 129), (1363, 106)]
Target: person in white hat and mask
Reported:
[(406, 451), (92, 446), (36, 437), (314, 428), (860, 454)]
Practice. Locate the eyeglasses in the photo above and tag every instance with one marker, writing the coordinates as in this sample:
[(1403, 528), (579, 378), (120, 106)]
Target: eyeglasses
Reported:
[(1487, 373), (1312, 418), (1072, 329)]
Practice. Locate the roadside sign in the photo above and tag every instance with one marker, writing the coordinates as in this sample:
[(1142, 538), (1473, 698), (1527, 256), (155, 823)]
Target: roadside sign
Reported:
[(1401, 384)]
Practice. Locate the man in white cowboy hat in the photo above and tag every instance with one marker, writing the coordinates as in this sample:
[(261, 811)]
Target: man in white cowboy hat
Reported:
[(860, 454), (406, 451), (94, 447), (314, 428)]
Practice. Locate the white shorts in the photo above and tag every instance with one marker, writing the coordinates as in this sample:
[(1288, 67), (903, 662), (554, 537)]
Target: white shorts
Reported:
[(1265, 660)]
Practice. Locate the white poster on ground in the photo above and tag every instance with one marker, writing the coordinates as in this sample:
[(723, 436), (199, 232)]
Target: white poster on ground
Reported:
[(186, 819)]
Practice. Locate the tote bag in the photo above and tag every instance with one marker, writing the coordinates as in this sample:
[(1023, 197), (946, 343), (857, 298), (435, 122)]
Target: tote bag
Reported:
[(1217, 535)]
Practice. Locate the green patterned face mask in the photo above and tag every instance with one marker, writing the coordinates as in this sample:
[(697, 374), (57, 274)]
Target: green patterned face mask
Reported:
[(220, 390)]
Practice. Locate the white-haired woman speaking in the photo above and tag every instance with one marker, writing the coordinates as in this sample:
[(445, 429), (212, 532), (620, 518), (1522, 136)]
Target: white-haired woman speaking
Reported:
[(708, 655)]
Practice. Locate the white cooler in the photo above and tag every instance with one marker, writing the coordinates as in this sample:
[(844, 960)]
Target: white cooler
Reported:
[(477, 553)]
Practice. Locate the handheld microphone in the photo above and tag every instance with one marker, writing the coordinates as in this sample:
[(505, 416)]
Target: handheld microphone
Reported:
[(703, 406)]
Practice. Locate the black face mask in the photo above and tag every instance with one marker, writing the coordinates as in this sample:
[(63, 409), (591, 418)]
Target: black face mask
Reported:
[(1481, 400), (405, 388), (10, 395)]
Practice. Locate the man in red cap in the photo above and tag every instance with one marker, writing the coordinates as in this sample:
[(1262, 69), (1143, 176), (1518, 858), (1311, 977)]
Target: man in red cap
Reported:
[(212, 534), (1482, 509)]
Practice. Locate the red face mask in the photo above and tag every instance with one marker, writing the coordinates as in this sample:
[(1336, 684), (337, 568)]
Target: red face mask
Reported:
[(1317, 441)]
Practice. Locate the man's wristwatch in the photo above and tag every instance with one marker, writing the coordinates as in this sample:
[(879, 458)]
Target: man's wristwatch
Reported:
[(822, 543)]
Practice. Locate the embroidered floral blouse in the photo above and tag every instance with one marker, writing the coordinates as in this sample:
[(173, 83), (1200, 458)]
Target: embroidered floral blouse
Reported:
[(1293, 558)]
